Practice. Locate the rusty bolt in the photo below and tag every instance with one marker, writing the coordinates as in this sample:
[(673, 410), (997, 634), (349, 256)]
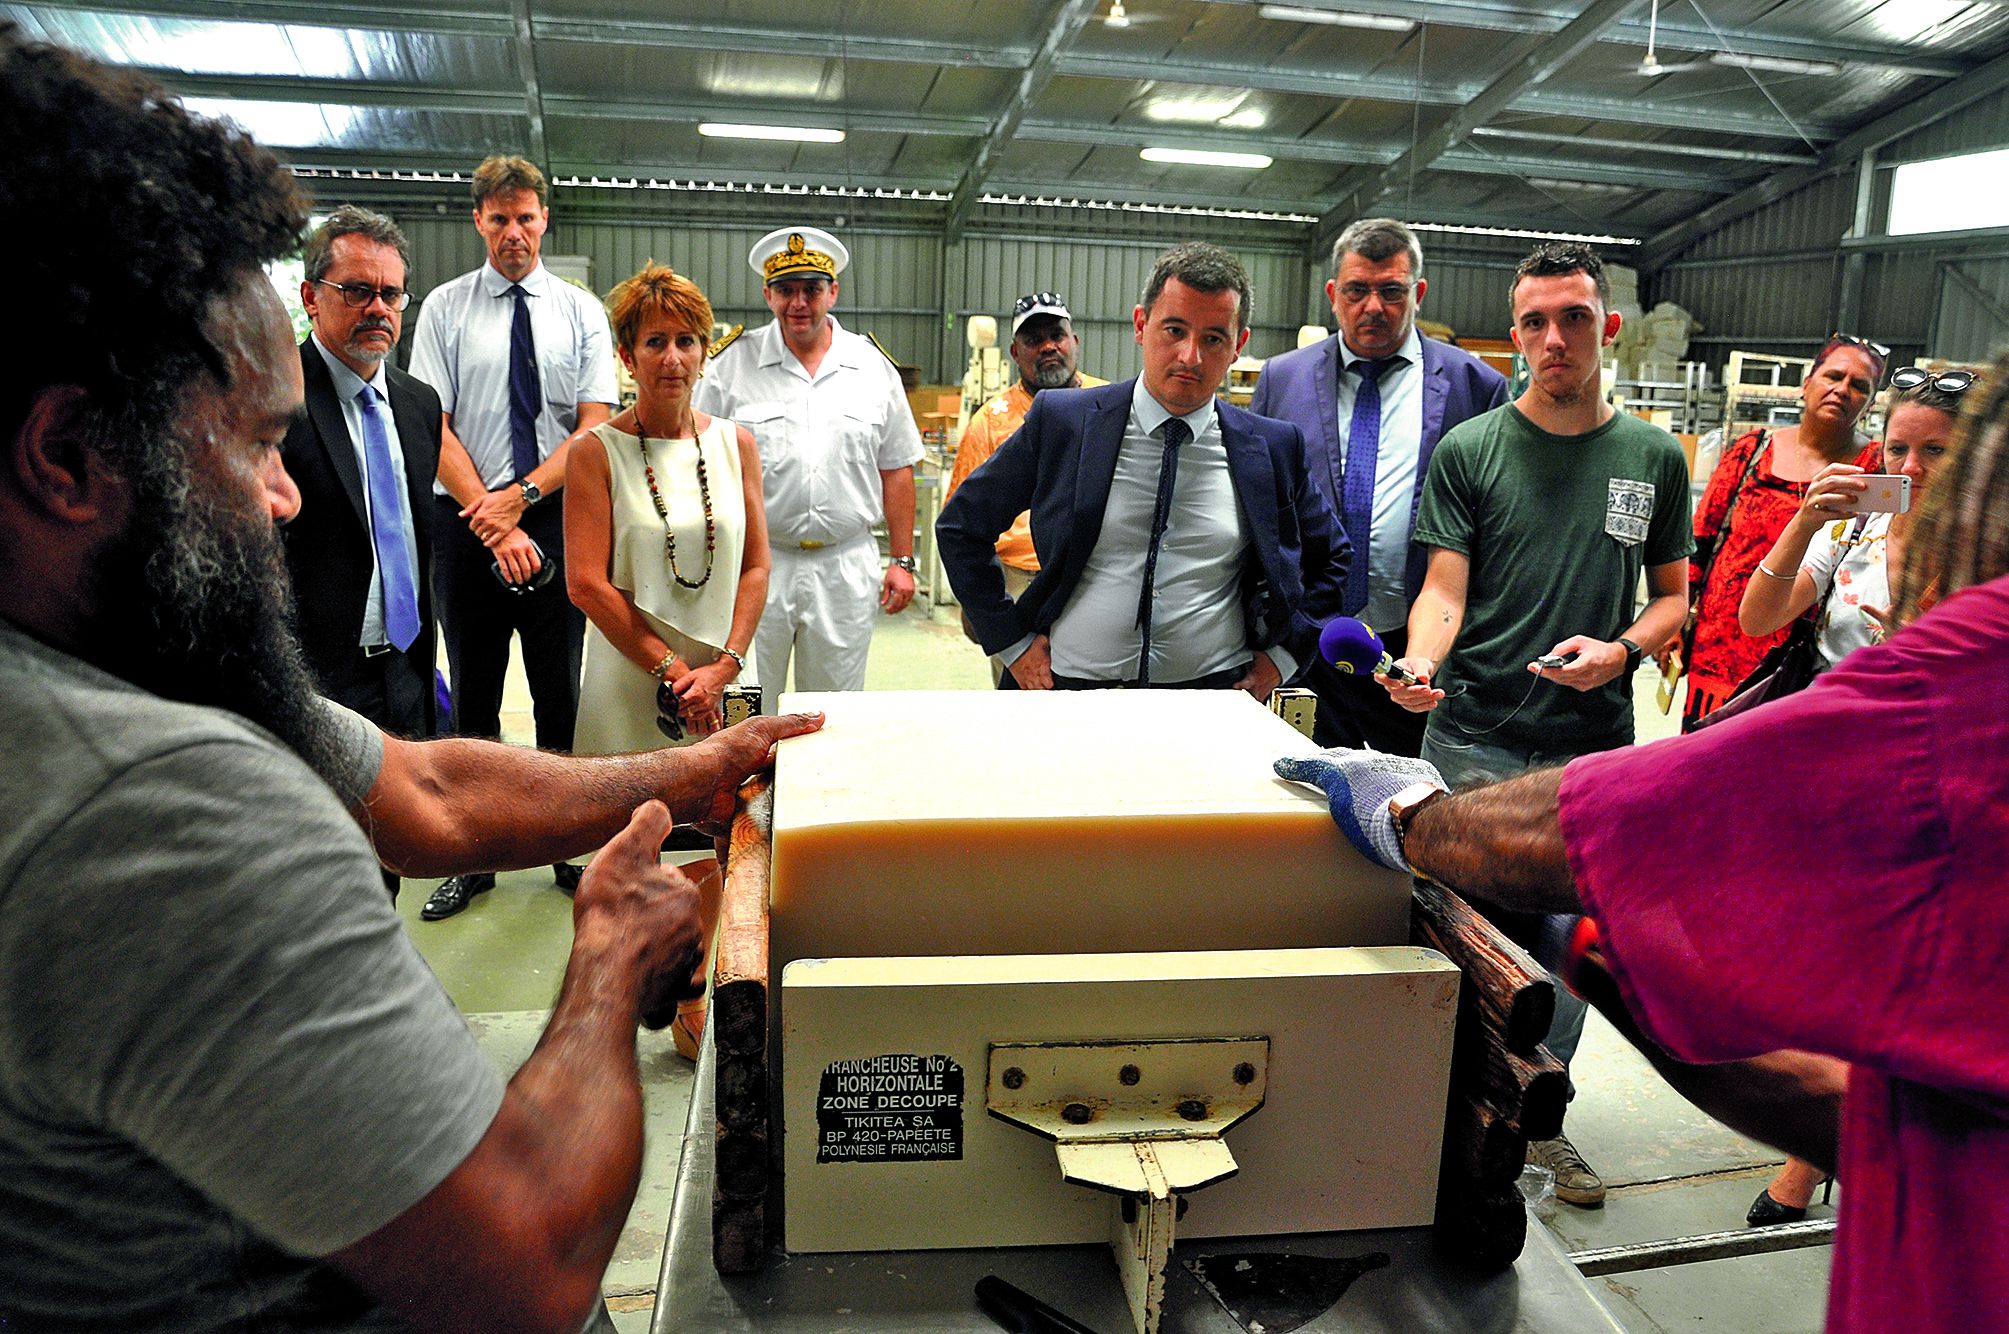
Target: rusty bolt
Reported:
[(1014, 1077), (1076, 1114), (1245, 1074), (1192, 1109), (1129, 1074)]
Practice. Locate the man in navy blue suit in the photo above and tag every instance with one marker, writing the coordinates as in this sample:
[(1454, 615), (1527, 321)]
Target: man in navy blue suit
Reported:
[(1379, 394), (1181, 540)]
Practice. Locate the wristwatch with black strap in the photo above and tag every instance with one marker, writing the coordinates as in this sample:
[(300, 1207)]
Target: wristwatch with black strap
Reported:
[(531, 493), (1632, 654)]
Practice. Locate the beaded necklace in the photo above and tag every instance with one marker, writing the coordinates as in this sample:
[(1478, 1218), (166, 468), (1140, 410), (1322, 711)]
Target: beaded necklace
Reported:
[(704, 494)]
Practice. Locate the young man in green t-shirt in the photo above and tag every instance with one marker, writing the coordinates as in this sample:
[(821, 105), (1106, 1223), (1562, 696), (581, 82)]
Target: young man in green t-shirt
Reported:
[(1540, 517)]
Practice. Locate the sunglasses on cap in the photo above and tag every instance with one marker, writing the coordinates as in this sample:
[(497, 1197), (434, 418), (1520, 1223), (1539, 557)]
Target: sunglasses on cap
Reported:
[(1853, 340), (1946, 382), (1034, 299)]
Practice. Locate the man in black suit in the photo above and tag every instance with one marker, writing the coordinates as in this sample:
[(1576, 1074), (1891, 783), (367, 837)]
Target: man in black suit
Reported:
[(364, 456), (1181, 540)]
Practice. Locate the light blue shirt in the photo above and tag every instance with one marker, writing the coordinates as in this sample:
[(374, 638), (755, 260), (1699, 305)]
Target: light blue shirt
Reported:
[(347, 385), (1197, 626), (1387, 554), (461, 349)]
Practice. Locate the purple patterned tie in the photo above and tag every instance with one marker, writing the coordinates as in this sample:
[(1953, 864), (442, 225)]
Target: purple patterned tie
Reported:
[(1363, 443)]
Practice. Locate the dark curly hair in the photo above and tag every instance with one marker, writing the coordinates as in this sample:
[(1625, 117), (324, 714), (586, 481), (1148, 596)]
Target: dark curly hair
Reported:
[(126, 217)]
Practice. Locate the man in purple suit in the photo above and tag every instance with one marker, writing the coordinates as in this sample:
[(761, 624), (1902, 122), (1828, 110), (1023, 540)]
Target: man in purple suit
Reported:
[(1372, 402)]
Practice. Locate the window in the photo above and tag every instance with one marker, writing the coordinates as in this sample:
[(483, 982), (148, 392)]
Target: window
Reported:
[(1950, 194)]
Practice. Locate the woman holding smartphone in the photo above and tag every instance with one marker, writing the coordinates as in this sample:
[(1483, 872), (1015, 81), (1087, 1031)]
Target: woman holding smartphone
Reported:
[(1832, 540), (1758, 486)]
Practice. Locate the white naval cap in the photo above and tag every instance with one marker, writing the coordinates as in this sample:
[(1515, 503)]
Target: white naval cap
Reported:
[(798, 250)]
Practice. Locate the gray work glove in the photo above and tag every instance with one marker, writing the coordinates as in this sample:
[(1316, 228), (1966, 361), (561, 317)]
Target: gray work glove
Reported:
[(1358, 783)]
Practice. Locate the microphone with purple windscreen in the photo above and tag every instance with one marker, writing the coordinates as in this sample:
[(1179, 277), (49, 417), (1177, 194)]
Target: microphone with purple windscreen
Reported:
[(1349, 645)]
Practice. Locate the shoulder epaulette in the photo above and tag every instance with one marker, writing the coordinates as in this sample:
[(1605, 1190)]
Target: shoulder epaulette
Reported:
[(874, 339), (726, 342)]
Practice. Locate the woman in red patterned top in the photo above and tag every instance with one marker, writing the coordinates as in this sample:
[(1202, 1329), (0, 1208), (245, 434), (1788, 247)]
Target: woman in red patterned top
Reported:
[(1754, 492)]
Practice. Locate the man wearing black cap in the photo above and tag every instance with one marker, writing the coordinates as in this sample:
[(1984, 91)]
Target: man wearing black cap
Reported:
[(1046, 350)]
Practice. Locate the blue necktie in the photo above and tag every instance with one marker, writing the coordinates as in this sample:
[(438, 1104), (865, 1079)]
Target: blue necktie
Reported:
[(1176, 434), (389, 522), (1363, 443), (524, 393)]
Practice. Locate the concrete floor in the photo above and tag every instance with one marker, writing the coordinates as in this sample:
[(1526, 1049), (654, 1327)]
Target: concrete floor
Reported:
[(1671, 1170)]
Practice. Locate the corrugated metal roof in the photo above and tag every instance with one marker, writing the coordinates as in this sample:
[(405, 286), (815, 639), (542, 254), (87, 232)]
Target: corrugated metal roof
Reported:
[(919, 85)]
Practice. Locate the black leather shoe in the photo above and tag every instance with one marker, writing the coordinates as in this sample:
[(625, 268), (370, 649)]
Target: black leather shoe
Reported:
[(1768, 1212), (454, 894), (567, 875)]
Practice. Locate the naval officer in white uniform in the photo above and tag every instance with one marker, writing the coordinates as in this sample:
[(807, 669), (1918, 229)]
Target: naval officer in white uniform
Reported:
[(837, 452)]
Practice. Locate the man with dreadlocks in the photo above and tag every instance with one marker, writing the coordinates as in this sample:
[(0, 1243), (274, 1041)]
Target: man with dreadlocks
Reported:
[(231, 1094), (1900, 925)]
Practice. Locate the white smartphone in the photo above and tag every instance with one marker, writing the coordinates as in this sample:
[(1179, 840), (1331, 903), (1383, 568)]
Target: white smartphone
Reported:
[(1887, 494)]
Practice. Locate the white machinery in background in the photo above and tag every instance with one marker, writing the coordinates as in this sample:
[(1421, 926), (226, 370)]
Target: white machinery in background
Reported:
[(987, 373)]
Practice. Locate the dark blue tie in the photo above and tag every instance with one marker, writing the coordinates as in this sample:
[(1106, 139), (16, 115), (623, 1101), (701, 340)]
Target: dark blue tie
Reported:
[(1363, 444), (1176, 433), (389, 522), (524, 395)]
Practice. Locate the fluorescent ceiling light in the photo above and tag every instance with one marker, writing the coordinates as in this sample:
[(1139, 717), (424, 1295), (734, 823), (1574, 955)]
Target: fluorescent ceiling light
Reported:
[(1194, 110), (1776, 64), (1249, 118), (1335, 18), (1200, 157), (1591, 238), (794, 134)]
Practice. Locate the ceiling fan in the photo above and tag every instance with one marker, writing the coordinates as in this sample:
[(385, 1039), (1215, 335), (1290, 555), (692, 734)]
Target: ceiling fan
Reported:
[(1650, 65), (1119, 16)]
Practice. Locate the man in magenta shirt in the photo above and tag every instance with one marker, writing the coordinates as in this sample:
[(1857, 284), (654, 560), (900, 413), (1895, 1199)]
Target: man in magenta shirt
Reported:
[(1697, 855)]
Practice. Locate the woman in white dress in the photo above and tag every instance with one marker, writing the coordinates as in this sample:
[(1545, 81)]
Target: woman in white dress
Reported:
[(665, 546)]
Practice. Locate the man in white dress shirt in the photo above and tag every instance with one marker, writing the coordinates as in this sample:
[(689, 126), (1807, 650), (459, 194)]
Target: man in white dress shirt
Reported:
[(522, 361), (837, 452), (1181, 542)]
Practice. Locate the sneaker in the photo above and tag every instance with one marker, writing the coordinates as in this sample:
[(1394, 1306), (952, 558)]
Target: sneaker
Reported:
[(1576, 1182)]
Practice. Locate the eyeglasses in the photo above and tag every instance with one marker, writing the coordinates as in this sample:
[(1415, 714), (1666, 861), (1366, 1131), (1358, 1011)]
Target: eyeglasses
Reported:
[(1032, 299), (1853, 340), (359, 295), (668, 721), (1946, 382), (1391, 294)]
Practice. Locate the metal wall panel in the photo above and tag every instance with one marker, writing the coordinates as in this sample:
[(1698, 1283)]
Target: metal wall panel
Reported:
[(1816, 215), (1985, 124), (1101, 279), (1972, 322)]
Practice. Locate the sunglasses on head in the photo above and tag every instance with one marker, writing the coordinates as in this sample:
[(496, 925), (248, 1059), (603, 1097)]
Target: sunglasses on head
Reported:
[(1946, 382), (1027, 302), (1853, 340)]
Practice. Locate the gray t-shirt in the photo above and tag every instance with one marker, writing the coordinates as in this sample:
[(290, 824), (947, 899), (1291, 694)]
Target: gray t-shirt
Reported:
[(220, 1054)]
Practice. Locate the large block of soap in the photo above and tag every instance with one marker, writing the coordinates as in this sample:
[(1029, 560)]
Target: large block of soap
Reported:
[(1008, 822), (889, 1146)]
